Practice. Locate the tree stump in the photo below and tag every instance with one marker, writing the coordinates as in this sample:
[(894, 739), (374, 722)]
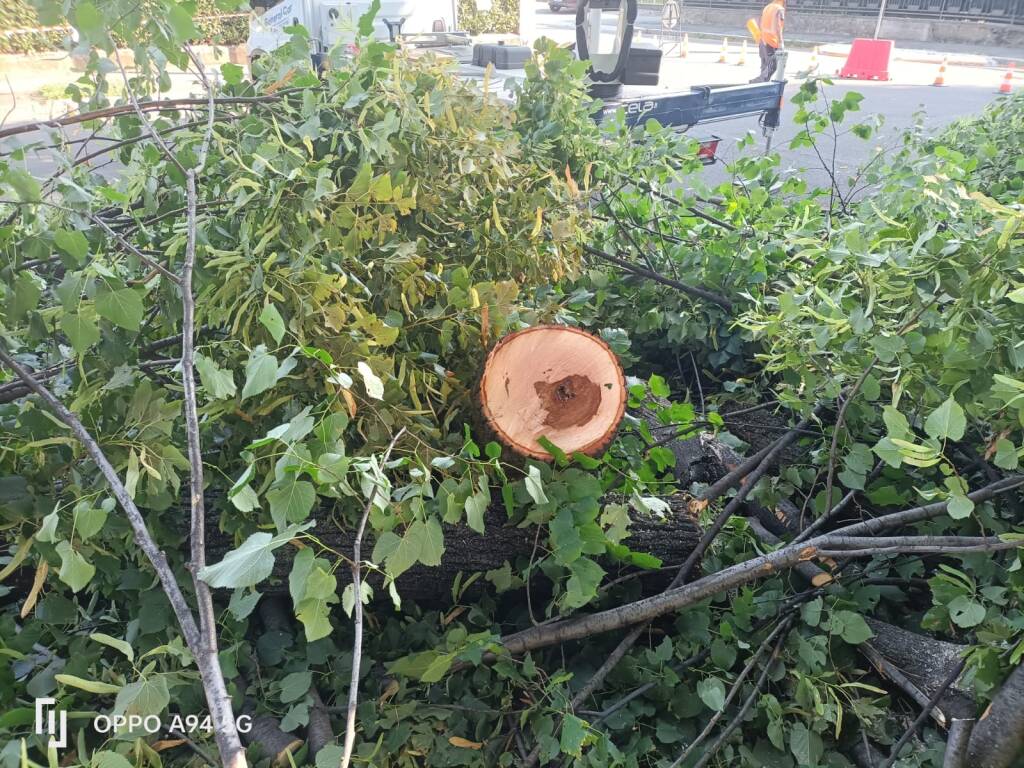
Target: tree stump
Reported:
[(553, 382)]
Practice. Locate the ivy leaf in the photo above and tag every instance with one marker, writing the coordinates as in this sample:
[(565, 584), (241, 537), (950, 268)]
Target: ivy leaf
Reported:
[(122, 307), (946, 422), (711, 691), (273, 322), (218, 383), (75, 570), (261, 372)]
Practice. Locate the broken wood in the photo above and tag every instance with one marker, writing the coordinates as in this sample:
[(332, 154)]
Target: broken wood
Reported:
[(554, 382)]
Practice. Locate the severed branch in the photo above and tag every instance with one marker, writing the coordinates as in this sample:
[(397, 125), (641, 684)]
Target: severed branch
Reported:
[(739, 574), (636, 269)]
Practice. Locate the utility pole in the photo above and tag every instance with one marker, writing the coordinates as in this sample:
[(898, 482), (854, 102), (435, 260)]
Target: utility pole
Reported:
[(881, 16)]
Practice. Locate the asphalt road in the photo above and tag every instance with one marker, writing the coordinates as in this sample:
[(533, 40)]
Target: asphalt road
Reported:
[(908, 97)]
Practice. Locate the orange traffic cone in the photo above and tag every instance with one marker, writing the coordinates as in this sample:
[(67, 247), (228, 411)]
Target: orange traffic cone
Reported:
[(725, 50), (940, 78), (1006, 86), (743, 55), (685, 50)]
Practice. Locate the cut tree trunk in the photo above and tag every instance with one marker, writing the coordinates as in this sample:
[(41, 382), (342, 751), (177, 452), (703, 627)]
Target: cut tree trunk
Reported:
[(467, 551), (554, 382)]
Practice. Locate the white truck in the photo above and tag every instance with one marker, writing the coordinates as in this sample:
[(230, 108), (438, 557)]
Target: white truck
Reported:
[(330, 22)]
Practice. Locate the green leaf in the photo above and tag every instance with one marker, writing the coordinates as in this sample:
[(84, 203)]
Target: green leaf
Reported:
[(291, 502), (711, 691), (81, 331), (1006, 454), (92, 686), (48, 530), (314, 610), (805, 745), (232, 73), (535, 486), (295, 686), (122, 307), (143, 698), (965, 612), (251, 563), (75, 570), (260, 372), (432, 546), (109, 759), (89, 22), (475, 506), (218, 383), (273, 322), (24, 294), (887, 347), (582, 585), (181, 24), (959, 506), (855, 629), (115, 643), (574, 731), (659, 387), (946, 422), (73, 243), (366, 20)]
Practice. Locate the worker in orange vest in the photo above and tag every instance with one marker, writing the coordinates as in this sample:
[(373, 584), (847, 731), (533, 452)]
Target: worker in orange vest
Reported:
[(773, 17)]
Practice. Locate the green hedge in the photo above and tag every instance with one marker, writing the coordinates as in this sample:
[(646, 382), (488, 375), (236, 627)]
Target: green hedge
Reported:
[(503, 17), (19, 14)]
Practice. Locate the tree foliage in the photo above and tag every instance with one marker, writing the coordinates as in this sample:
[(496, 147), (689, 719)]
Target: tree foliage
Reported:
[(361, 239)]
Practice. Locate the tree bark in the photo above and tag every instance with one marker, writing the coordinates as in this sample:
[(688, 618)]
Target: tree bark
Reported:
[(998, 737), (467, 551)]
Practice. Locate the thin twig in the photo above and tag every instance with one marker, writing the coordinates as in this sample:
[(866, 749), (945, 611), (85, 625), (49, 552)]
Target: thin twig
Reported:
[(919, 720), (357, 590)]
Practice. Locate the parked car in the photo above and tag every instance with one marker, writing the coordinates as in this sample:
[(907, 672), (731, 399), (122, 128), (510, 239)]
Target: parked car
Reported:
[(557, 5)]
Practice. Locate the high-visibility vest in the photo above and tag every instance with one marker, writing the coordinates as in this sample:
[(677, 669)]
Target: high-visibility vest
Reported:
[(771, 24)]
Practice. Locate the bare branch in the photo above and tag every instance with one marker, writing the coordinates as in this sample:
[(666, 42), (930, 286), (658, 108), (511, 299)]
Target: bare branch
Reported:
[(357, 643)]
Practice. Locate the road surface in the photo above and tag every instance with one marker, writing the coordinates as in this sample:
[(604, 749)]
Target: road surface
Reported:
[(907, 97)]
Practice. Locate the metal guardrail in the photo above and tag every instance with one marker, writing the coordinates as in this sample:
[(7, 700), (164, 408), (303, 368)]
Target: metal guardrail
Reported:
[(992, 11)]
